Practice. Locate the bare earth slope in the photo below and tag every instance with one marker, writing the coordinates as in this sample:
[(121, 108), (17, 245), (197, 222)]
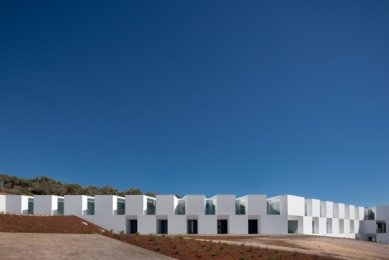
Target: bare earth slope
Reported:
[(341, 248), (46, 224)]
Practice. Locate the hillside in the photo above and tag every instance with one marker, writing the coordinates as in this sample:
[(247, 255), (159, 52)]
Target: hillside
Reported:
[(47, 186), (46, 224)]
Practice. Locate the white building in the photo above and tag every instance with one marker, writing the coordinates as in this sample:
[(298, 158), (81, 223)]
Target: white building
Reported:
[(221, 214)]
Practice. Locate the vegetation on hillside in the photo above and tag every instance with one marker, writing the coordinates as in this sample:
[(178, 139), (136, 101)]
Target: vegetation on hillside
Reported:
[(47, 186)]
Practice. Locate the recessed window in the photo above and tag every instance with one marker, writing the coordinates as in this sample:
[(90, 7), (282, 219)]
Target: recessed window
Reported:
[(121, 206), (274, 206), (90, 210), (381, 227)]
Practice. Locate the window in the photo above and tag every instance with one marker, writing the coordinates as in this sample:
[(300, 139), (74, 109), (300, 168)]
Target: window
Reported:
[(121, 206), (352, 226), (341, 226), (133, 226), (162, 226), (180, 209), (60, 206), (222, 226), (273, 206), (293, 226), (90, 210), (240, 207), (209, 207), (381, 227), (253, 226), (30, 209), (150, 207), (369, 214), (192, 226), (329, 225)]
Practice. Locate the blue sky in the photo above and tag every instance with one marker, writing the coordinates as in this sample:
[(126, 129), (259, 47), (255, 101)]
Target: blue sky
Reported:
[(213, 97)]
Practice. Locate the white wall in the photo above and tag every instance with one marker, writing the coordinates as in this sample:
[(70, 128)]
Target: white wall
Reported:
[(341, 210), (274, 224), (238, 224), (359, 213), (106, 204), (225, 204), (147, 224), (322, 226), (368, 227), (382, 214), (2, 203), (207, 224), (256, 205), (307, 225), (136, 204), (296, 205), (16, 204), (327, 209), (166, 204), (351, 211), (45, 204), (114, 222), (194, 205), (313, 207), (336, 210), (75, 204), (177, 224), (335, 226)]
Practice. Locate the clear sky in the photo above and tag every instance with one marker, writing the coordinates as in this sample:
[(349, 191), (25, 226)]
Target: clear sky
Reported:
[(199, 97)]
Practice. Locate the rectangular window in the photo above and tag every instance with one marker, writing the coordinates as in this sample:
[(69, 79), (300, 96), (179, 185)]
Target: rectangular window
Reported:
[(133, 226), (222, 226), (369, 214), (352, 226), (150, 207), (180, 209), (121, 206), (162, 226), (341, 226), (381, 227), (90, 210), (192, 226), (60, 206), (209, 207), (253, 226), (30, 209), (329, 225), (293, 226), (274, 207), (240, 207)]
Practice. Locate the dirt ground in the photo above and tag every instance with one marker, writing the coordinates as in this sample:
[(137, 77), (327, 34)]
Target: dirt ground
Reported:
[(46, 224), (191, 248), (324, 246), (69, 246)]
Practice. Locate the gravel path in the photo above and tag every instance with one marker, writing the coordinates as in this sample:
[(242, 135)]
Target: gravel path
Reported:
[(340, 248), (69, 246)]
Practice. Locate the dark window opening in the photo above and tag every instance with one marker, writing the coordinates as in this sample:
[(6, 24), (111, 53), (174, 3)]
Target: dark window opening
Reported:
[(222, 226), (253, 226), (192, 226), (162, 226), (133, 227)]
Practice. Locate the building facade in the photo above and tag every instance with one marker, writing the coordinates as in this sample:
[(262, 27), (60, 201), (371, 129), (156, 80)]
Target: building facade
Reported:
[(221, 214)]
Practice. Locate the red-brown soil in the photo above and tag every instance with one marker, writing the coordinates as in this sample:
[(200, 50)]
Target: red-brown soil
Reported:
[(46, 224), (188, 248), (174, 246)]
